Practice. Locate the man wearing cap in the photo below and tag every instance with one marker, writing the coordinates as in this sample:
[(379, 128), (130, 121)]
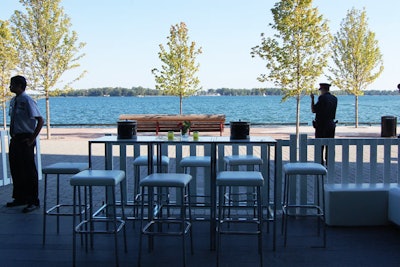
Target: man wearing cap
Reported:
[(25, 125), (325, 112)]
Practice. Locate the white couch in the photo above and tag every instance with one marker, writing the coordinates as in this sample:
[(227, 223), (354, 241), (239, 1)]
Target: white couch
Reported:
[(362, 204)]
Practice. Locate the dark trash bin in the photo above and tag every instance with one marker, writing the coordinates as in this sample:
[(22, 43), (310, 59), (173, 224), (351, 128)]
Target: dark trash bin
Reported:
[(127, 129), (240, 130), (388, 126)]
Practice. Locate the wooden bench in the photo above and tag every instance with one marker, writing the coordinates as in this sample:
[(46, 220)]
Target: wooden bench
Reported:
[(165, 122)]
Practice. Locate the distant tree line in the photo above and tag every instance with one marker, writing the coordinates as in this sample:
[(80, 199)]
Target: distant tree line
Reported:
[(109, 91), (141, 91)]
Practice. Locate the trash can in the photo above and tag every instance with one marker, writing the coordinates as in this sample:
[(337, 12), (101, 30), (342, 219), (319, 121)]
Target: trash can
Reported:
[(240, 130), (126, 129), (388, 126)]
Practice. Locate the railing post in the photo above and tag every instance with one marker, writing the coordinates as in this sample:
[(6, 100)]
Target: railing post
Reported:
[(38, 158), (4, 146), (4, 143), (293, 148), (303, 148), (303, 153)]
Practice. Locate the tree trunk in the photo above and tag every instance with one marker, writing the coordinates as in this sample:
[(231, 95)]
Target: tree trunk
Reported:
[(356, 111), (4, 114), (180, 105), (48, 116), (297, 116), (4, 93)]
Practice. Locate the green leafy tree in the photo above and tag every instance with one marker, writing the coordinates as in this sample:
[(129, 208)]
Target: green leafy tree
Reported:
[(177, 76), (357, 57), (297, 52), (46, 45), (8, 62)]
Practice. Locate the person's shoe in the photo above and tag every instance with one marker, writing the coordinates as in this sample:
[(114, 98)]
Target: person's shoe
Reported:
[(30, 208), (15, 203)]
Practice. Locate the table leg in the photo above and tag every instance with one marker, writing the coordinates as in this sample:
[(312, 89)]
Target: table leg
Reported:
[(159, 158), (90, 155), (275, 190), (213, 191), (108, 159), (150, 158), (122, 166)]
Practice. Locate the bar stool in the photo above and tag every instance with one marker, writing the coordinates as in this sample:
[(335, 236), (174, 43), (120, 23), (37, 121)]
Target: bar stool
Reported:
[(142, 161), (60, 168), (241, 160), (291, 170), (238, 160), (110, 223), (229, 179), (196, 162), (158, 181)]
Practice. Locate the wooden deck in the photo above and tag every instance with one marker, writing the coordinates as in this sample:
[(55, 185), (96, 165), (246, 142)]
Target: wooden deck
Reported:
[(21, 242), (21, 245)]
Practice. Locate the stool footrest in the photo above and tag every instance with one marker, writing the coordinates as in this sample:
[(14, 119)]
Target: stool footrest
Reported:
[(148, 231), (240, 220), (81, 227), (53, 210), (240, 232), (320, 212)]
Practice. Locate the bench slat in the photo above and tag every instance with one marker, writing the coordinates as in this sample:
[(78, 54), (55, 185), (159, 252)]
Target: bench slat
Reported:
[(166, 122)]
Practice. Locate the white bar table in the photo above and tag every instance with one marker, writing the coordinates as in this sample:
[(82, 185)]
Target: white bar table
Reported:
[(214, 142)]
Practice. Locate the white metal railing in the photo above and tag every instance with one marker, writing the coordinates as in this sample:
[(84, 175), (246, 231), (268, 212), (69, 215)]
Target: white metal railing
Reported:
[(5, 178), (369, 161), (350, 160), (177, 151)]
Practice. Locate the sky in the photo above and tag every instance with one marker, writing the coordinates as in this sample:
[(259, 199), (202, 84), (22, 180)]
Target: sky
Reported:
[(123, 36)]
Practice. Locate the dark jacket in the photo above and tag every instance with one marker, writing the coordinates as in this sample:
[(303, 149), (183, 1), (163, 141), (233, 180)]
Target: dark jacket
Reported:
[(325, 108)]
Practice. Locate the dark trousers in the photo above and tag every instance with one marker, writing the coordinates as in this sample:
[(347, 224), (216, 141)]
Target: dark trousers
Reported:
[(23, 170), (325, 130)]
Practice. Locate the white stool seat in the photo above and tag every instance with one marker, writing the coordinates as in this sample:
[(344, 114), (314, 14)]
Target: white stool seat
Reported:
[(200, 198), (58, 208), (114, 223), (65, 168), (240, 178), (97, 178), (143, 160), (155, 217), (166, 180), (243, 160), (237, 179), (305, 168), (195, 161), (290, 207)]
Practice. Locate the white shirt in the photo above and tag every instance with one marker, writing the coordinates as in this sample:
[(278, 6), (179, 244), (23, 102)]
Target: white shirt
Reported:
[(23, 112)]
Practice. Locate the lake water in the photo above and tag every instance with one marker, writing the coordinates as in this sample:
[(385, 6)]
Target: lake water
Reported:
[(256, 109)]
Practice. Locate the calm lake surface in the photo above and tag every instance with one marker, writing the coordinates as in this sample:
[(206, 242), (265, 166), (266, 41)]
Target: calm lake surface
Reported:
[(256, 109)]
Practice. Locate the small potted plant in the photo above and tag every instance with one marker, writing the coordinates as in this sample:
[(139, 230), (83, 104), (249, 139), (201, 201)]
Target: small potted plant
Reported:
[(185, 127)]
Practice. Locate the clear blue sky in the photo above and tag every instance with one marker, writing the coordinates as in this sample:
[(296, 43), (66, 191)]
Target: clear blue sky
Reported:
[(123, 36)]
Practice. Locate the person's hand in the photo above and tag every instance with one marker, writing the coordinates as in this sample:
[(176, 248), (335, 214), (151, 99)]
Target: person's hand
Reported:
[(312, 96), (30, 141)]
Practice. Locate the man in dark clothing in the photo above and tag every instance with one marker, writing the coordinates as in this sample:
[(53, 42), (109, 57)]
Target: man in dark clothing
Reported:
[(26, 123), (325, 113)]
